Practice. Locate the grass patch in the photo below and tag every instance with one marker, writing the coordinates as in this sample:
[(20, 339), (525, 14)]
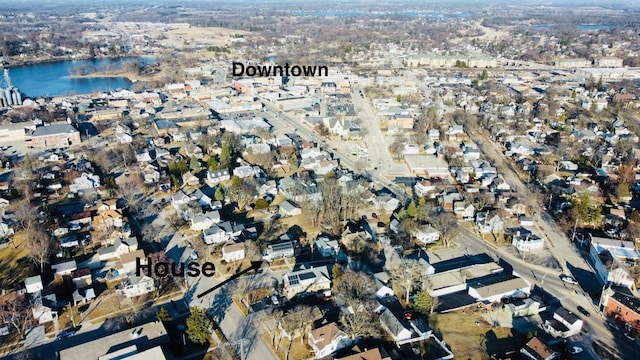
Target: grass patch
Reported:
[(14, 264), (470, 337)]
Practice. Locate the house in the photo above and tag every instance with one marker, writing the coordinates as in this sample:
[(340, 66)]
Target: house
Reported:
[(137, 285), (309, 281), (108, 219), (129, 260), (233, 252), (609, 258), (33, 284), (447, 200), (497, 287), (488, 224), (215, 235), (326, 247), (217, 176), (367, 354), (525, 307), (180, 199), (189, 179), (119, 248), (81, 278), (279, 251), (424, 188), (527, 242), (426, 234), (526, 221), (84, 182), (288, 209), (204, 221), (399, 331), (429, 165), (535, 349), (65, 268), (464, 211), (327, 339), (563, 324)]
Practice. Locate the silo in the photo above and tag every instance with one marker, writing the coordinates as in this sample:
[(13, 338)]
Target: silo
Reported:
[(7, 95), (19, 95), (3, 99), (1, 102), (14, 96)]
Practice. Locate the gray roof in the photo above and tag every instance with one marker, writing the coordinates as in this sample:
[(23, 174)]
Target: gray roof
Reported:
[(54, 129)]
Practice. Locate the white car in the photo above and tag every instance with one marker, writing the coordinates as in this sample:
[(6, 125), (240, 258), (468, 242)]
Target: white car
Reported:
[(575, 350), (568, 279), (194, 256), (274, 300)]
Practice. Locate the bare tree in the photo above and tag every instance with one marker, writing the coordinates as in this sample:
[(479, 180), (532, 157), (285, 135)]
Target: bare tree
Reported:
[(354, 288), (482, 200), (298, 321), (444, 223), (16, 311), (131, 191), (407, 274), (26, 215), (39, 246), (361, 322)]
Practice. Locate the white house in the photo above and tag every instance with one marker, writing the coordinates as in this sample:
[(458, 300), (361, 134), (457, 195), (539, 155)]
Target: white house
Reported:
[(327, 339), (426, 234), (563, 324), (527, 242), (33, 284), (204, 221), (424, 188), (279, 251), (288, 209), (84, 182), (233, 252), (327, 247), (313, 281), (65, 268), (137, 285), (490, 291), (215, 235), (609, 257), (217, 176), (180, 199)]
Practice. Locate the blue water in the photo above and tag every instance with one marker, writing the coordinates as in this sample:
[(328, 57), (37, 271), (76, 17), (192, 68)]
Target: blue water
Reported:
[(54, 79)]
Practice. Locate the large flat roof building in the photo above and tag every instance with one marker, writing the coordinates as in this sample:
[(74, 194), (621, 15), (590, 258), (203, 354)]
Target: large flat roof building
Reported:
[(60, 134)]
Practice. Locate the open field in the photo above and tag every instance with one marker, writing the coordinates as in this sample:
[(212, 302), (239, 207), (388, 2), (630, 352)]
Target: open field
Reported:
[(469, 336)]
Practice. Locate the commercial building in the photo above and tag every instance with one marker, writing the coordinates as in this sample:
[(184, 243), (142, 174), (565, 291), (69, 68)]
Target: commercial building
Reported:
[(56, 135)]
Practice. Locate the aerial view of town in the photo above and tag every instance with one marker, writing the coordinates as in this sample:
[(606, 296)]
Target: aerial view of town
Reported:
[(353, 180)]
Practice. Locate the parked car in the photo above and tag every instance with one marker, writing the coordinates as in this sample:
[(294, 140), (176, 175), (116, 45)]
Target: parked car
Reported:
[(629, 336), (613, 325), (70, 331), (584, 311), (274, 300), (568, 279), (194, 255), (575, 350)]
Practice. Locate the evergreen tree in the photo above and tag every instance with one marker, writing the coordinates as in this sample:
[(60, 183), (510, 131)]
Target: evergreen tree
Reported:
[(219, 195), (198, 326), (422, 302), (412, 210), (163, 315)]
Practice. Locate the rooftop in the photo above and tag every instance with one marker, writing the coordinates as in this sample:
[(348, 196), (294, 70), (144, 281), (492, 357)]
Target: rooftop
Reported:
[(143, 337)]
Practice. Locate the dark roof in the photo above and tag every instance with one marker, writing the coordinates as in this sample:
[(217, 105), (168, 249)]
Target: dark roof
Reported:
[(54, 129), (459, 262), (567, 315), (627, 300)]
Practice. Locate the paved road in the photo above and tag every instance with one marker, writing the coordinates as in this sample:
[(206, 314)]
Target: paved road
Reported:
[(549, 280)]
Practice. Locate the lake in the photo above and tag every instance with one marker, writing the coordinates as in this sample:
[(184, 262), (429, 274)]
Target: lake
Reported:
[(54, 78)]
